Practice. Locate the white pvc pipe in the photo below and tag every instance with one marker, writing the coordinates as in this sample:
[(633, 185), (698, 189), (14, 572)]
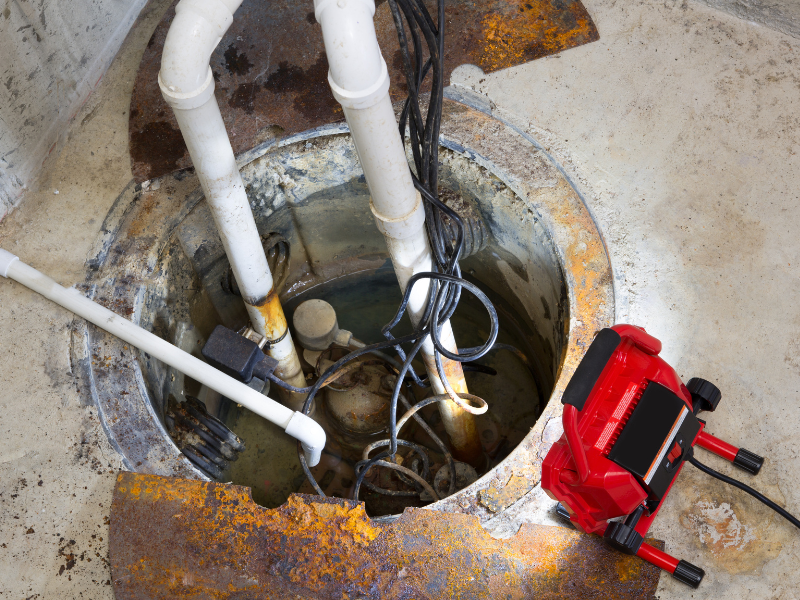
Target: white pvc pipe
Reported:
[(296, 424), (187, 85), (360, 82)]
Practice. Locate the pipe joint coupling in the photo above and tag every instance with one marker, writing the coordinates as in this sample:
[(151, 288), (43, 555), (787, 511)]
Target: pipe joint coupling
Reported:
[(401, 228), (363, 98), (6, 258), (193, 99)]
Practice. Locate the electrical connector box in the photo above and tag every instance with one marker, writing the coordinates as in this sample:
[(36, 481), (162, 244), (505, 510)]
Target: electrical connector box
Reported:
[(231, 353)]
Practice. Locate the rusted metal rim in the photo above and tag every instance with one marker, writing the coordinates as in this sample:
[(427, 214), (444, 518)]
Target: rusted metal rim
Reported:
[(137, 229), (175, 538)]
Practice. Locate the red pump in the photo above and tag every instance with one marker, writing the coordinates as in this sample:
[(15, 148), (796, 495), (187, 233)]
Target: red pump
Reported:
[(629, 425)]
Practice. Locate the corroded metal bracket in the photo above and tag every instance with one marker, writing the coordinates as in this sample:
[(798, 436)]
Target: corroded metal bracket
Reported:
[(179, 538)]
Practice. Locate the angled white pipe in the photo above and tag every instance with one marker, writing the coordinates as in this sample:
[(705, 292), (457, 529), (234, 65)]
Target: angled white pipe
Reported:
[(296, 424), (360, 83), (187, 85)]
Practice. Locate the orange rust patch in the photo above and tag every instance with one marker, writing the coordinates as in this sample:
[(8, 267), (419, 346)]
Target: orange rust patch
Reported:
[(521, 32), (190, 539), (147, 203), (274, 319), (294, 94), (516, 487)]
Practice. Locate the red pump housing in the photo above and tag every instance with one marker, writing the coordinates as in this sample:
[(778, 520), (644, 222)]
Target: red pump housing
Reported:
[(629, 425), (602, 490)]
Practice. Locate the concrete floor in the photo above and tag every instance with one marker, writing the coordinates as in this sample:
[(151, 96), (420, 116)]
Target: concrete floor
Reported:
[(679, 126)]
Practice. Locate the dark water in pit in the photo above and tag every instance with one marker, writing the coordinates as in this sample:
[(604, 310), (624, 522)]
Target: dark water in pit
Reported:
[(365, 302)]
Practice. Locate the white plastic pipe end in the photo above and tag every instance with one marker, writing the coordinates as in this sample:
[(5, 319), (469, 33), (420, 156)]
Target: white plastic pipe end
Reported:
[(6, 258), (310, 434)]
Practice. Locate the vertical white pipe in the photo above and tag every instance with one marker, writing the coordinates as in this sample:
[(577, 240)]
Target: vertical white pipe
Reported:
[(360, 82), (187, 85)]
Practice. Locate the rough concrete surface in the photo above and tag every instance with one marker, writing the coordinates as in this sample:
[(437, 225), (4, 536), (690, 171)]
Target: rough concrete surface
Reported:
[(680, 126), (57, 469), (54, 54), (783, 15)]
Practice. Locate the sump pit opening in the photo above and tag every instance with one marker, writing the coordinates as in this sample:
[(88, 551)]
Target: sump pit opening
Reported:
[(312, 195)]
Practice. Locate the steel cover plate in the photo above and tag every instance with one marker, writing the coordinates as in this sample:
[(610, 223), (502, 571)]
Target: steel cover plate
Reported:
[(179, 538)]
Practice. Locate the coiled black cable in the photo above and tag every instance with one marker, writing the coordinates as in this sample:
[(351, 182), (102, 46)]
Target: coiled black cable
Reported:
[(445, 282), (746, 488), (288, 386)]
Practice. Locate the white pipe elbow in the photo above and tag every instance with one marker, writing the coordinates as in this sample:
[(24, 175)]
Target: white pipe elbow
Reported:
[(185, 78), (357, 72), (296, 424), (310, 434)]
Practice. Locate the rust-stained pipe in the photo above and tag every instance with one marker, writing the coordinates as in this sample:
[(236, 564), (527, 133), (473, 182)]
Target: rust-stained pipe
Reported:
[(187, 85)]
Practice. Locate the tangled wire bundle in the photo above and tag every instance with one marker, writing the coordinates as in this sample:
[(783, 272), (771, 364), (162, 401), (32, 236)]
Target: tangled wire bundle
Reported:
[(446, 233)]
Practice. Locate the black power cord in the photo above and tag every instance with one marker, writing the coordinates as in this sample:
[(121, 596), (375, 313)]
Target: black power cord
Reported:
[(445, 231), (746, 488)]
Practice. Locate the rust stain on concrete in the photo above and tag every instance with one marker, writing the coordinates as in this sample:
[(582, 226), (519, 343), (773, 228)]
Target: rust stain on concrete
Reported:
[(740, 533), (497, 499)]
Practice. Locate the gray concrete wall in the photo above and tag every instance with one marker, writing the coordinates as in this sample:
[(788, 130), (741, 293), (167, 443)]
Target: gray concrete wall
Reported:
[(53, 54), (783, 15)]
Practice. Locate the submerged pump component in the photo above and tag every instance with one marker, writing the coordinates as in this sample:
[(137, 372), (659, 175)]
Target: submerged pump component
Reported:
[(357, 401), (205, 440), (295, 423), (316, 326), (629, 426)]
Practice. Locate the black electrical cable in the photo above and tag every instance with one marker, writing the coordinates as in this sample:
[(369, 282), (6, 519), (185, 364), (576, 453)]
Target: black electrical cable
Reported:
[(746, 488), (413, 21), (414, 447), (478, 368), (411, 412), (288, 386)]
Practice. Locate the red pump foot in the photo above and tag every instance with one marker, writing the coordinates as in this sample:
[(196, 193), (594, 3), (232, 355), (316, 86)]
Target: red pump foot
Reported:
[(681, 570), (744, 459)]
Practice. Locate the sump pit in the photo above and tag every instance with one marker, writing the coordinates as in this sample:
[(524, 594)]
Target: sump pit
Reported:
[(311, 194)]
